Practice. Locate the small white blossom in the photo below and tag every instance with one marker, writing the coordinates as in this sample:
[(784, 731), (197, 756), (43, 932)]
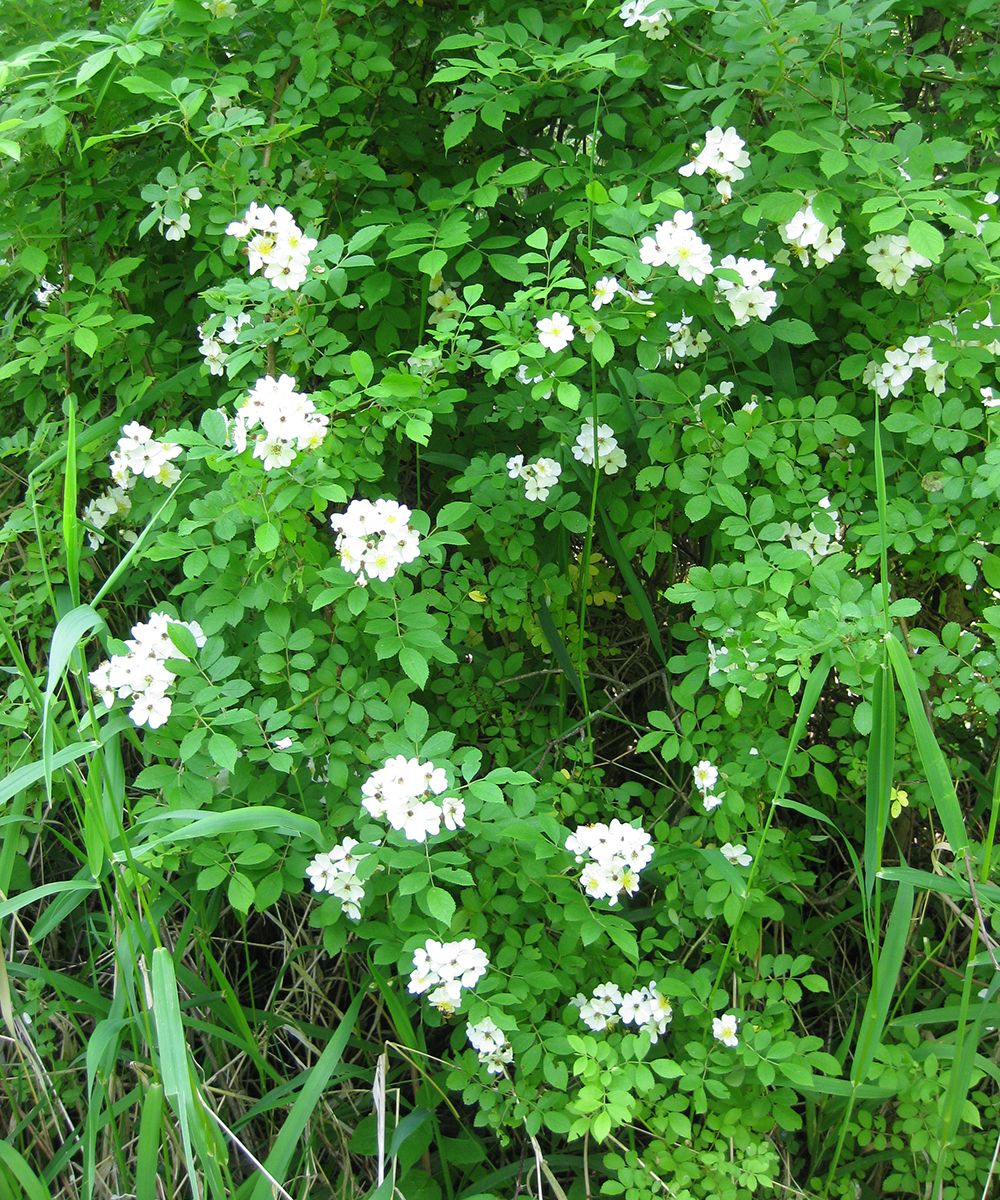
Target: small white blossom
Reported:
[(736, 854), (724, 1030), (555, 332)]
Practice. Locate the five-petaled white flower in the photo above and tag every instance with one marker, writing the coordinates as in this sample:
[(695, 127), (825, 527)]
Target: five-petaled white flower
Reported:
[(724, 1030), (555, 332), (736, 854)]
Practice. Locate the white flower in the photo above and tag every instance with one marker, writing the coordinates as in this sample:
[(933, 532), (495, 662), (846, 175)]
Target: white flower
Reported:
[(724, 1030), (605, 290), (736, 854), (374, 540), (44, 292), (711, 802), (450, 967), (675, 244), (176, 227), (610, 457), (219, 8), (491, 1043), (990, 400), (705, 775), (555, 332)]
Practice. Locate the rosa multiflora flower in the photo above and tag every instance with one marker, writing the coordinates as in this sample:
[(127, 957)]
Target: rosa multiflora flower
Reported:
[(404, 791), (613, 856), (278, 246), (646, 1008), (724, 1030), (491, 1044), (555, 332), (539, 477), (375, 539), (674, 243), (449, 968), (142, 674), (610, 457)]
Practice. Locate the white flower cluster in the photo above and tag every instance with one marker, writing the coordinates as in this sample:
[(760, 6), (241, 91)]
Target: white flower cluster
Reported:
[(555, 332), (539, 477), (706, 775), (142, 674), (400, 793), (806, 233), (139, 453), (443, 299), (448, 967), (890, 377), (894, 260), (617, 853), (610, 457), (212, 343), (683, 343), (814, 543), (278, 245), (646, 1008), (113, 504), (675, 244), (374, 540), (724, 1030), (736, 854), (748, 298), (654, 25), (336, 871), (288, 420), (723, 156), (491, 1043)]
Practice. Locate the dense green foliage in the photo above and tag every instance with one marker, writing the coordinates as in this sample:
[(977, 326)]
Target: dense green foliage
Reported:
[(751, 246)]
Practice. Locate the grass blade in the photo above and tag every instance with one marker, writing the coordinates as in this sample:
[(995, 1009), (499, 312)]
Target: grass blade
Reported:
[(881, 762), (884, 984), (302, 1110), (934, 762), (148, 1150), (558, 648), (70, 524)]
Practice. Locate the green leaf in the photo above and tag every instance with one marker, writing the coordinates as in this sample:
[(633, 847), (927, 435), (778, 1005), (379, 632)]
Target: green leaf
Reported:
[(459, 129), (430, 263), (799, 333), (361, 365), (414, 665), (603, 348), (520, 174), (631, 66), (223, 750), (266, 538), (86, 340), (697, 508), (832, 162), (240, 893), (440, 905), (908, 606), (787, 141), (34, 260), (183, 639), (926, 240)]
